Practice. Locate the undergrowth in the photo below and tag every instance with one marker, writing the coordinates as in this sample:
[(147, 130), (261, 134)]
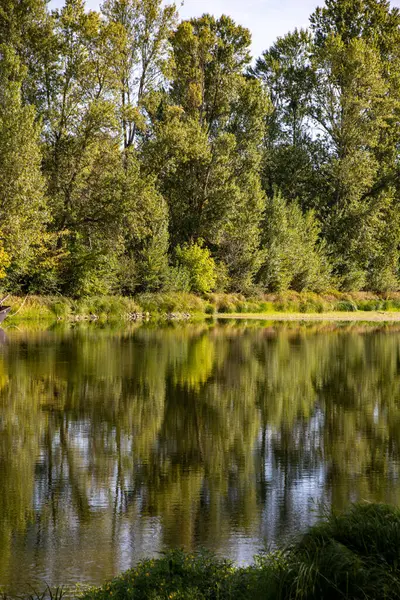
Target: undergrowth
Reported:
[(182, 304)]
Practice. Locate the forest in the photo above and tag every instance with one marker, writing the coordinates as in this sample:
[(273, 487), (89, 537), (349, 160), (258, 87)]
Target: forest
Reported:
[(142, 153)]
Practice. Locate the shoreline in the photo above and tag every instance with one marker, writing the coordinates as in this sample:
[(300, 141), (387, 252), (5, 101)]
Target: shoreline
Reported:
[(167, 307), (360, 316)]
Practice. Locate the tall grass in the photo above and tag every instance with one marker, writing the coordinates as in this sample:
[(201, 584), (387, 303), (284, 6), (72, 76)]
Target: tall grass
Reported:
[(47, 308)]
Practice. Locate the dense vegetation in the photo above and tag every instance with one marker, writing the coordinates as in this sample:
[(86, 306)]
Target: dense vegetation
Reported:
[(143, 154), (182, 306)]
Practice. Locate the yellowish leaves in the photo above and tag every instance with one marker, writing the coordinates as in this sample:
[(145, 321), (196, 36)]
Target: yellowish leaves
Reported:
[(4, 261)]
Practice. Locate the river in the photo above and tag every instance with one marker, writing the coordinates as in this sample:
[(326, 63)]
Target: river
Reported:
[(118, 443)]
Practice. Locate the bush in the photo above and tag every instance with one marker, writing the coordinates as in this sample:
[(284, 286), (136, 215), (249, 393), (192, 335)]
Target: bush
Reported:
[(346, 306), (200, 266), (177, 575), (353, 555), (178, 280), (171, 302)]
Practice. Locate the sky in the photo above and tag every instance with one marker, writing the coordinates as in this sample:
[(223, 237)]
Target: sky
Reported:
[(266, 19)]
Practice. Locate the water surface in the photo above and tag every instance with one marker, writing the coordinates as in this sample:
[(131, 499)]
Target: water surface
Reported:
[(115, 445)]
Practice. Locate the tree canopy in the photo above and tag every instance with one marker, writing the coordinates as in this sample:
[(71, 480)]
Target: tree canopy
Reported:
[(134, 146)]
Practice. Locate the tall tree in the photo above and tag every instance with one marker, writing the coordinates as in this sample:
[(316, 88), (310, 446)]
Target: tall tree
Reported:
[(292, 154), (206, 144), (23, 209), (139, 32), (26, 26), (355, 111), (372, 20)]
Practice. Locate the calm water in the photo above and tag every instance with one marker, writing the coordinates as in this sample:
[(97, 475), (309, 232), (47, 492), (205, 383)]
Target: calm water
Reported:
[(116, 445)]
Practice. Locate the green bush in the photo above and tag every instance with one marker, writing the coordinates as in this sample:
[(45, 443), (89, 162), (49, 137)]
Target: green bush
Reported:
[(200, 266), (353, 555), (346, 306), (178, 280), (176, 576), (60, 307), (171, 302), (209, 309)]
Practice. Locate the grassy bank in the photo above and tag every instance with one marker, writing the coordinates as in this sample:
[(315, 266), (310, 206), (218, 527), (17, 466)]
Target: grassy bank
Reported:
[(183, 305), (355, 555)]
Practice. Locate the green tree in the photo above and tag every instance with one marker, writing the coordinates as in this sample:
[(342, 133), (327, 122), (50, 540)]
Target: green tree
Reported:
[(372, 20), (26, 26), (138, 58), (23, 210), (199, 265), (295, 256), (144, 229), (292, 155), (205, 148), (353, 109), (356, 100)]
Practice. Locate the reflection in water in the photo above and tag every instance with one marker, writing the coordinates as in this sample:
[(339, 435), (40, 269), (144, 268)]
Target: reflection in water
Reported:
[(114, 446)]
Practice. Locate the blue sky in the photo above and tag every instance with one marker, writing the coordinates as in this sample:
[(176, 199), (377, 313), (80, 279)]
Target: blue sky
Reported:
[(266, 19)]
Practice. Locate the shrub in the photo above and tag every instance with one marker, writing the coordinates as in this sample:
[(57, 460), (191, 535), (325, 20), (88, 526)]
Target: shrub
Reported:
[(200, 266), (352, 555), (171, 302), (178, 280)]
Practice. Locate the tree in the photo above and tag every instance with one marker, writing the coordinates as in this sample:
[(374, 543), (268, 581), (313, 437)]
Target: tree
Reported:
[(292, 154), (145, 231), (295, 255), (138, 32), (372, 20), (200, 266), (23, 210), (353, 109), (205, 147), (26, 26)]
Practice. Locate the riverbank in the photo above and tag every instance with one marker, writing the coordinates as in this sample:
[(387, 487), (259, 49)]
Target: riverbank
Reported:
[(355, 555), (348, 317), (292, 306)]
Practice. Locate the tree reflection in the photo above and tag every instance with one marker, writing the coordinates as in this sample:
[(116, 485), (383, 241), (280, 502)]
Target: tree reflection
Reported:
[(115, 444)]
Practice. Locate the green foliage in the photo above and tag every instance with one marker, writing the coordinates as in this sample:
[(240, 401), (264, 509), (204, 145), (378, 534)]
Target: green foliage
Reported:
[(171, 303), (23, 209), (125, 135), (352, 555), (199, 265), (295, 257)]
